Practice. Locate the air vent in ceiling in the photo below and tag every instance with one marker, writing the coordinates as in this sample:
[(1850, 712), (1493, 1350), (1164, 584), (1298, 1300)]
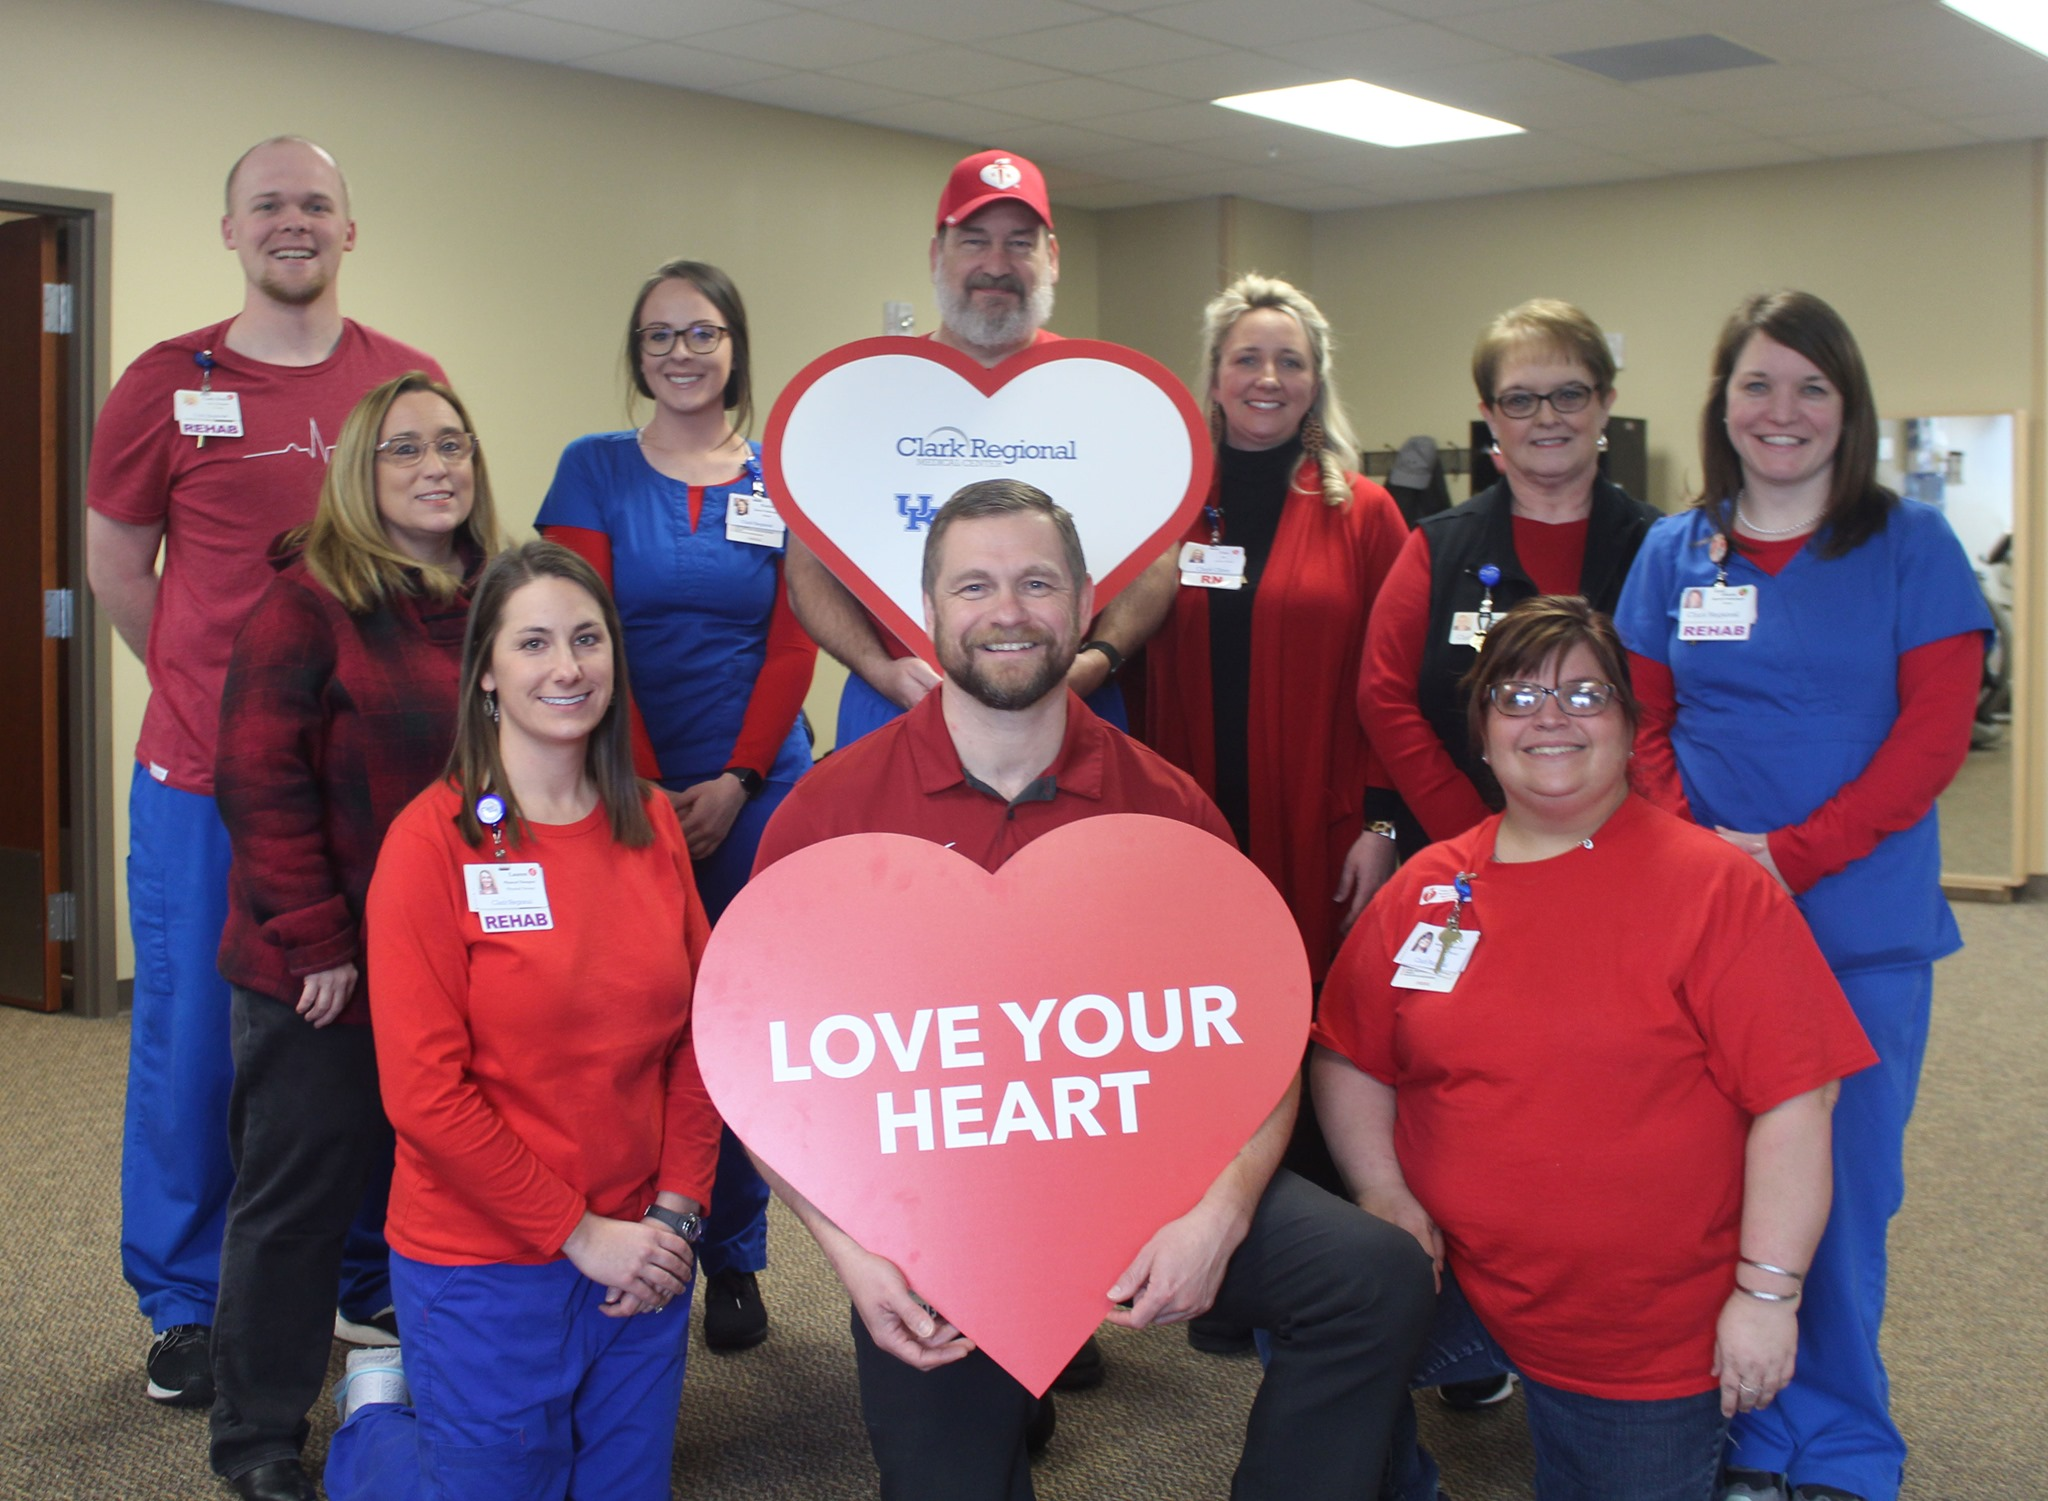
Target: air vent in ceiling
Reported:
[(1673, 57)]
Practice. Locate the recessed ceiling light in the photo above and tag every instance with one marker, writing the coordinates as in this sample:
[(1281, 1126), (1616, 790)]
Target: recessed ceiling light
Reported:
[(1367, 112), (2022, 21)]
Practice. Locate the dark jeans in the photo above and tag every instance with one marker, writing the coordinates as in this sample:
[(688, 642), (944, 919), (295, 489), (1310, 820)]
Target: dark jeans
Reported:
[(1587, 1448), (308, 1134), (1347, 1298)]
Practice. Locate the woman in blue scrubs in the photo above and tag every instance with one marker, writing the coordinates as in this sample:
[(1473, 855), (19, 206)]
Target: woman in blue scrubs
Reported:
[(674, 517), (1807, 646)]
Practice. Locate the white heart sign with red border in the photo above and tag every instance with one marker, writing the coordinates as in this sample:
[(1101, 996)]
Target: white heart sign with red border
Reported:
[(868, 441), (1005, 1083)]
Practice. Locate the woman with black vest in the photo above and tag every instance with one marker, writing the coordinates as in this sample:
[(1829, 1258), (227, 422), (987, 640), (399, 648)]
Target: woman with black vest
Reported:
[(1550, 525)]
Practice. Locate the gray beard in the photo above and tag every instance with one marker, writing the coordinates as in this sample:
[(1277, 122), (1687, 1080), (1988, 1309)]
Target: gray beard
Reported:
[(985, 328)]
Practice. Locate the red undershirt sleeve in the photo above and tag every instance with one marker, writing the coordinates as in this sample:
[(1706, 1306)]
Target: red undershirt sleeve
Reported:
[(1938, 686), (1654, 772), (595, 548), (1440, 796), (689, 1157), (779, 688)]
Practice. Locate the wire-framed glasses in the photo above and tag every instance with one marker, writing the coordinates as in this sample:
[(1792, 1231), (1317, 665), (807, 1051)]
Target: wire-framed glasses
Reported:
[(1581, 699), (407, 449)]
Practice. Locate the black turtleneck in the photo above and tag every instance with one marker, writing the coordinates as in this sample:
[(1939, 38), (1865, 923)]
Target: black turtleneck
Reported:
[(1251, 488)]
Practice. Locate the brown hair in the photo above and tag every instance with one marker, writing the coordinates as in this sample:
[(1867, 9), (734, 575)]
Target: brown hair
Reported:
[(1535, 632), (1248, 294), (1857, 504), (346, 546), (474, 765), (1003, 497), (1542, 323), (719, 291)]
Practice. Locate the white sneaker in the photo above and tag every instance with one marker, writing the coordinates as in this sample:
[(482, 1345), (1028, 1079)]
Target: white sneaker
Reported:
[(380, 1329), (375, 1375), (1750, 1485)]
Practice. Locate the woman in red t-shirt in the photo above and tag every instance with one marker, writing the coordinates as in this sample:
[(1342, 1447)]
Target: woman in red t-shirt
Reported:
[(1586, 1052), (555, 1143)]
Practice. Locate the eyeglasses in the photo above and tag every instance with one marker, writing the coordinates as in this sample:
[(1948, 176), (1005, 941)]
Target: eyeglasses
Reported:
[(698, 338), (405, 450), (1564, 401), (1582, 699)]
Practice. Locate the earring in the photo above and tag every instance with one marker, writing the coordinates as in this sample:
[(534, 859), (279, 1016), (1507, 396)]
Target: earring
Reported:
[(491, 705), (1601, 443), (1215, 426), (1312, 438), (1494, 448)]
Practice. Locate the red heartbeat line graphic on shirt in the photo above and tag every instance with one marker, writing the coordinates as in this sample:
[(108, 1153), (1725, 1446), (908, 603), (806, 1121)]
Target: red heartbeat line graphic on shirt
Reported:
[(315, 446)]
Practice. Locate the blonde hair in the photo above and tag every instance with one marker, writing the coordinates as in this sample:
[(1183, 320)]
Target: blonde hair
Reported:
[(1548, 324), (1338, 448), (345, 545)]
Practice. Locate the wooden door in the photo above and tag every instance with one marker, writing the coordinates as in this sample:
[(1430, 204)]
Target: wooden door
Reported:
[(31, 439)]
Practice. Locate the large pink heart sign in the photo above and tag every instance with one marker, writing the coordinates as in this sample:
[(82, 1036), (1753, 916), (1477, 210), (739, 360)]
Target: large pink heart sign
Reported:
[(868, 441), (1005, 1083)]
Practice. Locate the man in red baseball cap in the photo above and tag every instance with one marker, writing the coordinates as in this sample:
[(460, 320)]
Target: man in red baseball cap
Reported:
[(995, 261)]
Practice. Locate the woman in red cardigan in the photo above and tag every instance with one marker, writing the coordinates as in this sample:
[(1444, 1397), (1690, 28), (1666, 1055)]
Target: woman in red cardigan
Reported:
[(1250, 682), (339, 708)]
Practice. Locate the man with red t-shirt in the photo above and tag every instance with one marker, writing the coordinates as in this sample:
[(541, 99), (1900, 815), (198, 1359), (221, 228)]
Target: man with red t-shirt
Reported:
[(209, 446), (1001, 753), (995, 261)]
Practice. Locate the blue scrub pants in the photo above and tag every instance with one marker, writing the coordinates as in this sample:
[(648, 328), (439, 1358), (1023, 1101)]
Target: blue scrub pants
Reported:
[(523, 1390), (862, 709), (1833, 1424), (176, 1172)]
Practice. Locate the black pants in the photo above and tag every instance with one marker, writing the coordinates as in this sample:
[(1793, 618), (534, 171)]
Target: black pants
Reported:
[(307, 1130), (1348, 1300)]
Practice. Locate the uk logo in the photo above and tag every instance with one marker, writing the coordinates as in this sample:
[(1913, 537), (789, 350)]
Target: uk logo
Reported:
[(1001, 174), (917, 511)]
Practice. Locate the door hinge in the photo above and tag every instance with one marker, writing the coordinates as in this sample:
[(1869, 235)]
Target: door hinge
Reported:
[(59, 613), (56, 307), (63, 926)]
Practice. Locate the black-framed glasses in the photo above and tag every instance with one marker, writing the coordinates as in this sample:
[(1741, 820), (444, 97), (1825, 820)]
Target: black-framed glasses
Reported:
[(1581, 699), (407, 449), (1564, 401), (698, 338)]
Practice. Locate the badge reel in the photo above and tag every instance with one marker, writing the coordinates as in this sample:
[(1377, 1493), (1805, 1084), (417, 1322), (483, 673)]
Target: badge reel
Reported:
[(206, 413), (1719, 611), (752, 518), (506, 897), (1211, 565), (1470, 627), (1433, 957)]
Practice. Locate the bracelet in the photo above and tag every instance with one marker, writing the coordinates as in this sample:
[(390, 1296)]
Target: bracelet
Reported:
[(1764, 1297), (1775, 1271)]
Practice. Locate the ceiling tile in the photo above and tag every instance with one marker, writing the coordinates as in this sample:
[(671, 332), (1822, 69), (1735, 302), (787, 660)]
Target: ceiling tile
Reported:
[(1722, 157), (949, 118), (1730, 94), (1174, 124), (2010, 125), (811, 40), (364, 15), (952, 21), (680, 67), (816, 94), (1984, 97), (657, 20), (1550, 26), (516, 34), (1380, 52), (1065, 143), (1075, 99), (1830, 116), (1242, 25), (1143, 162), (1219, 74), (1883, 139), (1101, 45), (959, 73)]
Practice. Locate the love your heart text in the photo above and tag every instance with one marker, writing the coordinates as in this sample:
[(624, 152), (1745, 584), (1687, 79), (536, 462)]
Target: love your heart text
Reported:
[(1087, 1026)]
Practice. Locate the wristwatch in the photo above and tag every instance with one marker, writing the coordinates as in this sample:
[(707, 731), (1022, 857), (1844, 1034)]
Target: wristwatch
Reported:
[(1110, 654), (689, 1226), (1382, 827), (749, 779)]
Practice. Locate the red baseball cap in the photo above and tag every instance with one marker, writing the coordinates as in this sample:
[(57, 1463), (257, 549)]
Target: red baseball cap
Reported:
[(987, 177)]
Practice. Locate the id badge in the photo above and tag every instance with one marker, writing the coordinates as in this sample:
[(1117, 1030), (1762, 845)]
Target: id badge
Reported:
[(1433, 957), (1716, 612), (508, 898), (1211, 565), (753, 519), (1464, 626), (207, 414)]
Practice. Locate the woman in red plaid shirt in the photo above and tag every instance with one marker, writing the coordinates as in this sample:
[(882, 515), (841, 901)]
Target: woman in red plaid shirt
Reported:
[(339, 710)]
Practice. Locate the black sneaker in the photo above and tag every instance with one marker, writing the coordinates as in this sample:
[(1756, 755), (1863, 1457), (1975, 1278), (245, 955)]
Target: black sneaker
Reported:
[(734, 1316), (1470, 1396), (1044, 1419), (1084, 1372), (181, 1367)]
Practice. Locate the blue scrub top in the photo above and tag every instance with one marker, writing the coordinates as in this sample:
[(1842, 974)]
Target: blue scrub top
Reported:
[(1770, 728), (695, 606)]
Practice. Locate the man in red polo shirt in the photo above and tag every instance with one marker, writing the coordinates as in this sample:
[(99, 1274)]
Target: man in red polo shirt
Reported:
[(1001, 753), (995, 261)]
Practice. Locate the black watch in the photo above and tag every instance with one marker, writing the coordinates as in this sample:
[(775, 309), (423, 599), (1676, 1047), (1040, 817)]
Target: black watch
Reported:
[(1110, 654), (749, 779), (689, 1226)]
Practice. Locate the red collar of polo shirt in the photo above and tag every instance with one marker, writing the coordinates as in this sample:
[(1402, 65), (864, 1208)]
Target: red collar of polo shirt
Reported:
[(1077, 768)]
